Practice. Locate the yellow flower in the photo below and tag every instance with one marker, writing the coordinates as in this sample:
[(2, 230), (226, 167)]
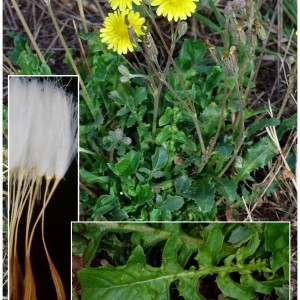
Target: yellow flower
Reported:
[(123, 4), (175, 9), (115, 31)]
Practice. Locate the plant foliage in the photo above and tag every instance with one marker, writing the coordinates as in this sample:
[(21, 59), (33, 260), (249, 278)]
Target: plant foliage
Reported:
[(189, 253)]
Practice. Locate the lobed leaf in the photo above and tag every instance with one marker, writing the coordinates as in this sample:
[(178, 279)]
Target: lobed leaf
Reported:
[(191, 52), (160, 158), (138, 280), (277, 241), (127, 165), (208, 255), (203, 194), (264, 287), (234, 290), (257, 157), (227, 188)]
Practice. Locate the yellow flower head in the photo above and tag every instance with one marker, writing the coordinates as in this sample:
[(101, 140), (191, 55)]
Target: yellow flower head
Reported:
[(175, 9), (115, 31), (123, 4)]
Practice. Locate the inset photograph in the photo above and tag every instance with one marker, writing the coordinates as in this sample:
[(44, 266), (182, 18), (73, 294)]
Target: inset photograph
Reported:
[(180, 260), (42, 184)]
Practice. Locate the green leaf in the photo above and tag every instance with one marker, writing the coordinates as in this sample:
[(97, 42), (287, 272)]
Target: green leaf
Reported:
[(92, 178), (128, 164), (123, 111), (191, 53), (234, 290), (19, 45), (187, 288), (286, 125), (208, 255), (226, 187), (203, 194), (170, 253), (164, 134), (259, 125), (104, 204), (283, 293), (277, 241), (257, 157), (29, 63), (160, 158), (213, 79), (134, 280), (144, 193), (184, 140), (182, 184), (263, 287), (248, 250), (209, 118), (140, 94), (167, 117), (239, 235), (172, 203)]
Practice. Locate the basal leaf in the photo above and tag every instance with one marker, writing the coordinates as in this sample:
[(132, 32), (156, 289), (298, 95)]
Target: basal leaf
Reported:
[(208, 255), (170, 253), (191, 53), (171, 203), (213, 79), (226, 187), (203, 194), (144, 193), (187, 288), (209, 118), (186, 251), (167, 117), (104, 204), (283, 293), (135, 280), (286, 125), (164, 134), (140, 94), (240, 234), (160, 158), (234, 290), (182, 184), (264, 287), (249, 249), (257, 126), (92, 178), (257, 157), (128, 164), (29, 63), (123, 111), (277, 241)]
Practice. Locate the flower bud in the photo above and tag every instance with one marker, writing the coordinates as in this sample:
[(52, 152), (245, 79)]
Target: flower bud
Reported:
[(238, 5), (150, 47), (260, 30), (118, 133), (182, 28), (123, 70), (127, 140)]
